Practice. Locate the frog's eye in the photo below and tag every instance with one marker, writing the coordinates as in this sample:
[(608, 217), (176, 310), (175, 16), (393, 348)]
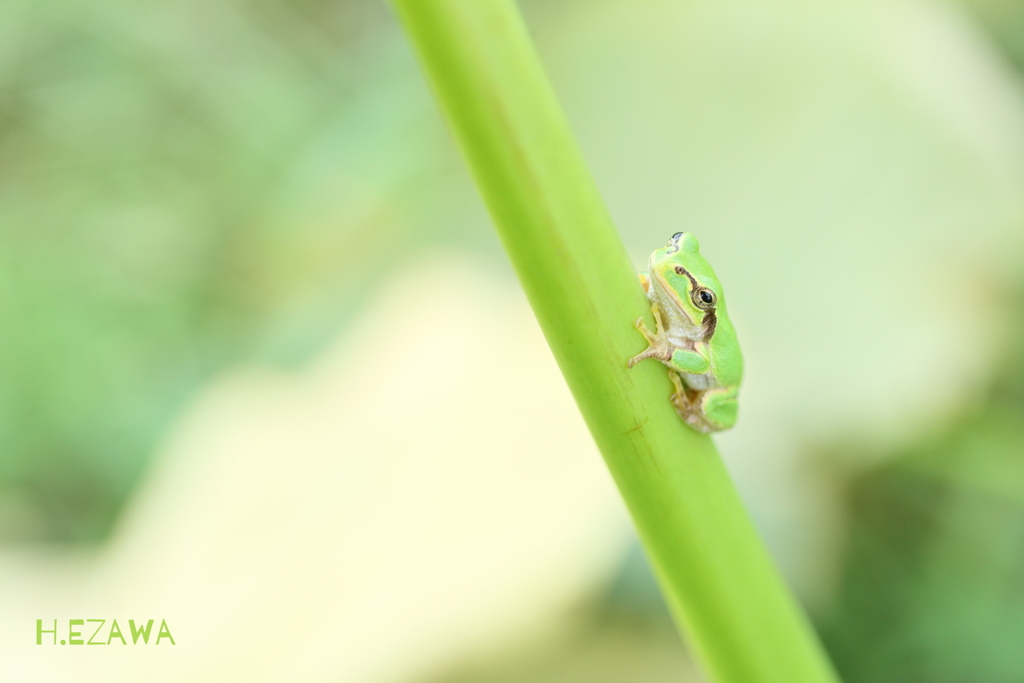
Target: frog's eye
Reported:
[(703, 298)]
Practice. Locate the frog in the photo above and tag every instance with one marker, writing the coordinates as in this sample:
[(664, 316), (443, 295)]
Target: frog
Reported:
[(694, 337)]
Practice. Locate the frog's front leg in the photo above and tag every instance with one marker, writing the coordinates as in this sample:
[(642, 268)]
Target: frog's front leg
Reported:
[(659, 348), (690, 362), (657, 341)]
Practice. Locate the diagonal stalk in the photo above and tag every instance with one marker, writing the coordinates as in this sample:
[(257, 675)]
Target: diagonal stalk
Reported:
[(723, 590)]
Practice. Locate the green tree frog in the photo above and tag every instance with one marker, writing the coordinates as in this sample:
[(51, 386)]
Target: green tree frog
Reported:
[(695, 338)]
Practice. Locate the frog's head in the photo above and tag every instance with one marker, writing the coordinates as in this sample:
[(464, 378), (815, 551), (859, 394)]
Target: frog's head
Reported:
[(685, 287)]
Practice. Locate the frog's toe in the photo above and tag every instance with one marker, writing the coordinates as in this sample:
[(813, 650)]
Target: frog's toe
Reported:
[(638, 357), (651, 337), (654, 351)]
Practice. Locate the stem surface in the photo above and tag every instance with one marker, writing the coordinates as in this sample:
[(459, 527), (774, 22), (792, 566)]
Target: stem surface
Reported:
[(721, 586)]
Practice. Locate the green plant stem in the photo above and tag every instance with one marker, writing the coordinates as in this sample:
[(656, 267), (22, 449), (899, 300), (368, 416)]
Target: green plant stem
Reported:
[(722, 588)]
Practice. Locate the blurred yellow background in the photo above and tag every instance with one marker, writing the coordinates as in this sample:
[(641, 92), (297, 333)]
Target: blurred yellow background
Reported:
[(266, 374)]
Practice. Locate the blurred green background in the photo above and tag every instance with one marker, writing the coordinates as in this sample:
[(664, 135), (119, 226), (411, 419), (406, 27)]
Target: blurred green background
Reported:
[(189, 185)]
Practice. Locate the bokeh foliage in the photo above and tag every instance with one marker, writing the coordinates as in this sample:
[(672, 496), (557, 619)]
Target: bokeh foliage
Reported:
[(932, 585), (932, 578), (183, 185)]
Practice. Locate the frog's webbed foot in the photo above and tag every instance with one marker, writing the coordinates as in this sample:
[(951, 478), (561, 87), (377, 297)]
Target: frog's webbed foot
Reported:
[(658, 346)]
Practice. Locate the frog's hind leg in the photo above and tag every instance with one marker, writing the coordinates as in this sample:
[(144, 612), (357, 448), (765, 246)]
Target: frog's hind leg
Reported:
[(707, 410), (719, 407)]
